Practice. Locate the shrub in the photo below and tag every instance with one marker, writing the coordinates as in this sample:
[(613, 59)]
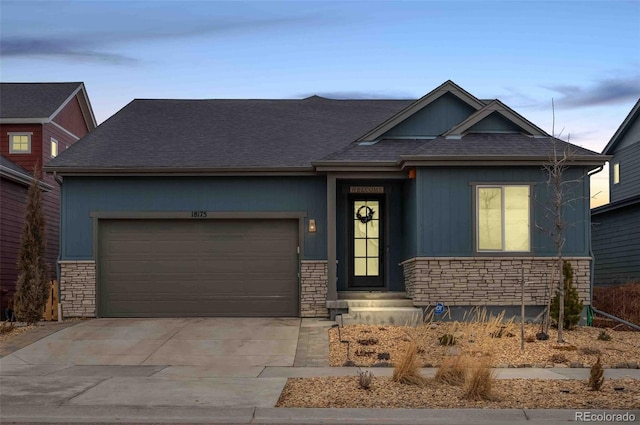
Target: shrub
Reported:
[(604, 336), (407, 370), (452, 370), (479, 381), (596, 376), (572, 304), (32, 286), (447, 339), (365, 377)]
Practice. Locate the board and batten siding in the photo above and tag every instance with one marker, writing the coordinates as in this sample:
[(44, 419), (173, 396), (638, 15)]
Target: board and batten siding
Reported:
[(434, 119), (446, 214), (82, 196), (615, 236), (629, 159)]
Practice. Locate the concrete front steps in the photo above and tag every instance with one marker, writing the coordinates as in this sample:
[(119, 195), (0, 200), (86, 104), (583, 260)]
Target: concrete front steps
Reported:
[(398, 312)]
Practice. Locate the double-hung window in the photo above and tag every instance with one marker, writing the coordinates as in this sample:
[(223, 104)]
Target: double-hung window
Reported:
[(20, 142), (503, 218)]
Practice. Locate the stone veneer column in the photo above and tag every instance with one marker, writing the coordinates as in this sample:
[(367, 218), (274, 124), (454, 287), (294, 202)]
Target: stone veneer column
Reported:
[(78, 288), (313, 290), (463, 281)]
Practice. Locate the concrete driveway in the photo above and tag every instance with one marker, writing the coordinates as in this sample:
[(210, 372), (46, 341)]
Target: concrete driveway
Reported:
[(207, 362), (232, 342)]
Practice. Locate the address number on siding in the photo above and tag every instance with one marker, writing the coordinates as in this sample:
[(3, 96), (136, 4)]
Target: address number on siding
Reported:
[(198, 214)]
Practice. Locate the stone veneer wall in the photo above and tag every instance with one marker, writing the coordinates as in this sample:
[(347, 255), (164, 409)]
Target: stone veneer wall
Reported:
[(463, 281), (313, 291), (78, 288)]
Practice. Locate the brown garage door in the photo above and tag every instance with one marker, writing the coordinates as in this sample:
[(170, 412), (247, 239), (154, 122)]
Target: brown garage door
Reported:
[(171, 268)]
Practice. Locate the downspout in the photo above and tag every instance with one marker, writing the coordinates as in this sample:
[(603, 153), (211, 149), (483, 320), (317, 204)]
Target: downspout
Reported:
[(592, 277), (59, 181)]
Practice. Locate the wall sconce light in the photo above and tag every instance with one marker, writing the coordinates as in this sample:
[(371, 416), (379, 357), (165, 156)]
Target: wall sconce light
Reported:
[(312, 225)]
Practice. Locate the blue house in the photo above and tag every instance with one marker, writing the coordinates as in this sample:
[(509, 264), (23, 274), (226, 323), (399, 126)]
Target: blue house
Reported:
[(616, 226), (294, 207)]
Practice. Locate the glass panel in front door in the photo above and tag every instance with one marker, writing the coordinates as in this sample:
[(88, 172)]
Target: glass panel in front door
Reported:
[(366, 243)]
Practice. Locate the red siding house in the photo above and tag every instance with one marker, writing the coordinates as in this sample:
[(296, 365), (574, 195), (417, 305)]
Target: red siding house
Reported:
[(37, 121)]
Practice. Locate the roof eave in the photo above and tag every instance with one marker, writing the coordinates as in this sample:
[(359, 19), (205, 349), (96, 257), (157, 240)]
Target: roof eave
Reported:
[(43, 120), (26, 180), (612, 206), (449, 160), (176, 171)]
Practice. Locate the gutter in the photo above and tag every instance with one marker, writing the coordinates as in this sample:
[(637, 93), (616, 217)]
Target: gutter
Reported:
[(592, 277), (22, 178), (59, 181)]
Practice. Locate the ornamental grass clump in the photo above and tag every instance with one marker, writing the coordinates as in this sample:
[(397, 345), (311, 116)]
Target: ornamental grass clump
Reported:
[(596, 376), (453, 370), (479, 381), (407, 369)]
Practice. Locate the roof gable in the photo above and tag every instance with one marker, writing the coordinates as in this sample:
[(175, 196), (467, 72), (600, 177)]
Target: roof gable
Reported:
[(447, 87), (498, 114), (41, 102), (433, 119), (628, 132)]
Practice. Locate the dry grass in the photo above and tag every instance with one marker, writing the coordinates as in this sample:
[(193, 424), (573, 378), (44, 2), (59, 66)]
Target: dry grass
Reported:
[(596, 376), (480, 379), (621, 301), (452, 370), (407, 370)]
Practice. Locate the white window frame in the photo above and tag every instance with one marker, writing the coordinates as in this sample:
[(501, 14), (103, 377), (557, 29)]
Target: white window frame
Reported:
[(616, 172), (57, 145), (12, 135), (502, 203)]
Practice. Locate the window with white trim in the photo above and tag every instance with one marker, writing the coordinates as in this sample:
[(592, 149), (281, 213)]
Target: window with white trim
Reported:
[(20, 142), (616, 173), (503, 218), (54, 148)]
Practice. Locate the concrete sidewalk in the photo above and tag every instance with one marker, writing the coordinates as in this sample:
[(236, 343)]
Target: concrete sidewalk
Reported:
[(218, 390)]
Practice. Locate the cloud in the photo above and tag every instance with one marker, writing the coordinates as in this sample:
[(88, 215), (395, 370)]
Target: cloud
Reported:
[(99, 46), (345, 95), (62, 48), (606, 91)]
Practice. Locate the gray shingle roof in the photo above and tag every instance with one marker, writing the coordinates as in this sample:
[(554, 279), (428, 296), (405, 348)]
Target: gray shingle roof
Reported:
[(225, 133), (472, 144), (33, 100), (5, 162)]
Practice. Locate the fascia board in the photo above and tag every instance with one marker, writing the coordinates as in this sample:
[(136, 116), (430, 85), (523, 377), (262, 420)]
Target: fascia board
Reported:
[(503, 110), (23, 179), (24, 120), (179, 171), (620, 131)]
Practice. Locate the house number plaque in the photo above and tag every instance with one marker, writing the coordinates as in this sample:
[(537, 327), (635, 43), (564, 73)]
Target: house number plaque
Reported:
[(366, 189), (198, 214)]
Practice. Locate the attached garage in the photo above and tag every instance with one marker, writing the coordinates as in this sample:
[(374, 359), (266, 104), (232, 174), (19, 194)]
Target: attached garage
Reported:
[(201, 267)]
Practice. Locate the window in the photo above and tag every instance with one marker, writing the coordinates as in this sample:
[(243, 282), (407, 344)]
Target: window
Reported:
[(54, 148), (616, 173), (366, 234), (502, 219), (20, 142)]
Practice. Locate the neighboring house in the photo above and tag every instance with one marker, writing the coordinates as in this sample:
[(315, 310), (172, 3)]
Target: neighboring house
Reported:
[(37, 121), (616, 226), (289, 207)]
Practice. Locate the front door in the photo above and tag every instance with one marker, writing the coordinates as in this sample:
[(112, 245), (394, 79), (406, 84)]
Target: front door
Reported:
[(366, 242)]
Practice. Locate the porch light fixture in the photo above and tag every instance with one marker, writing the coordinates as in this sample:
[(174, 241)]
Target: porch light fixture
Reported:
[(312, 225)]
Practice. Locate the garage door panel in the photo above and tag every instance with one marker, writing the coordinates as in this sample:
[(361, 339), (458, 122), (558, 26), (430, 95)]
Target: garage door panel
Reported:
[(156, 268)]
